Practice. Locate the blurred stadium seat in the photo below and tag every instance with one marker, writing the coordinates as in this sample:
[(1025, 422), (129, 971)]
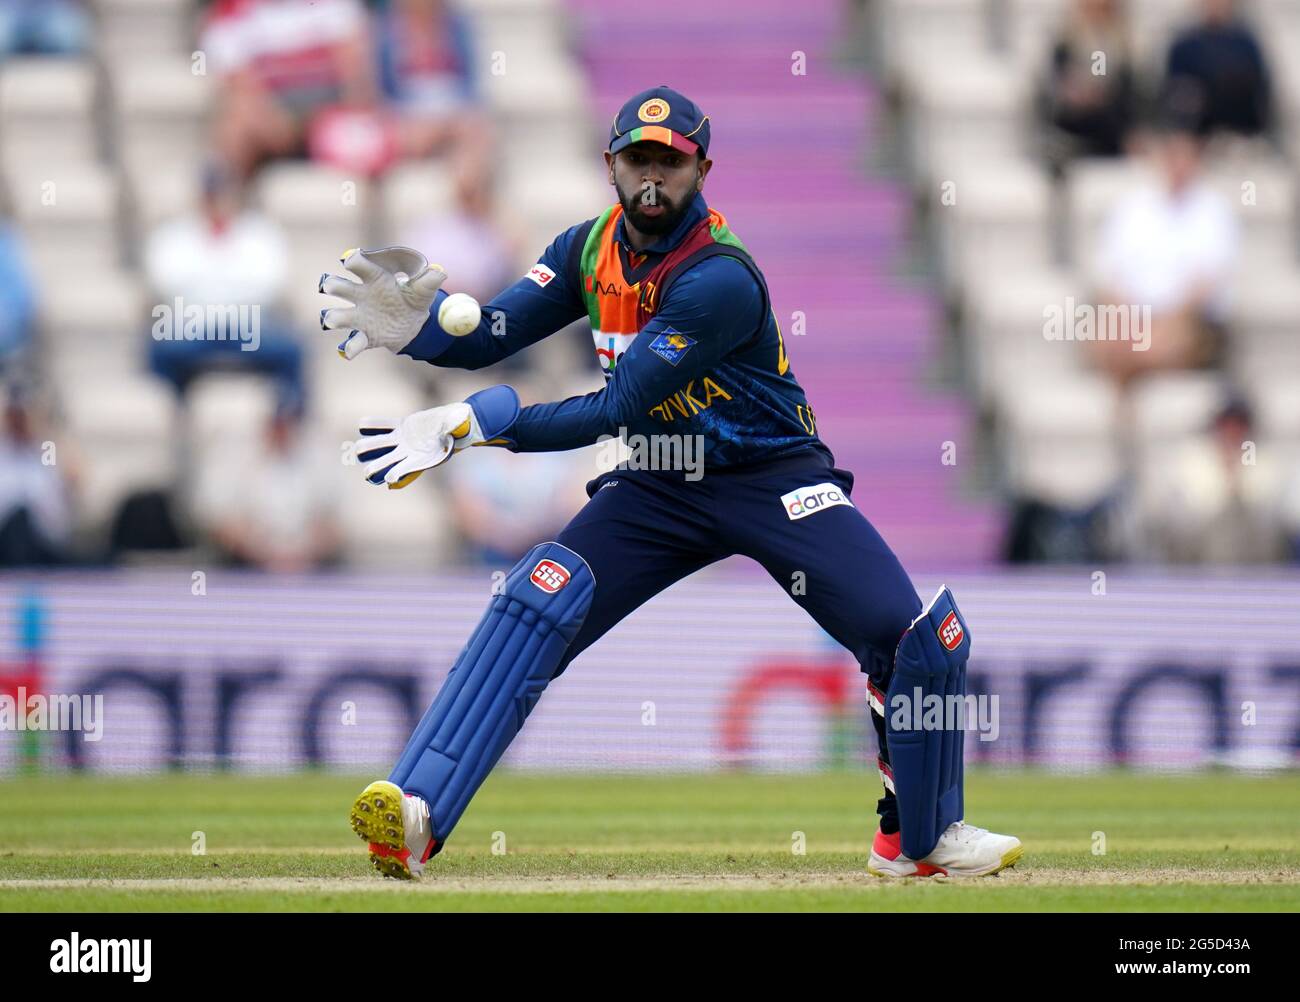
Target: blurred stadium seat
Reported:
[(145, 27), (160, 112), (47, 111), (998, 223), (95, 328), (125, 427), (410, 191), (323, 211), (963, 111), (1060, 440), (1005, 323), (71, 213)]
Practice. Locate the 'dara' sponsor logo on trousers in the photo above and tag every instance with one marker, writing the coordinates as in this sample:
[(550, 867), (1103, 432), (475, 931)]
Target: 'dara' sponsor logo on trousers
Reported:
[(810, 500)]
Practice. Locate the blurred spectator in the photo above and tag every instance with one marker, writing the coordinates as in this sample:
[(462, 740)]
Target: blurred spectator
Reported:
[(425, 60), (35, 492), (503, 503), (17, 297), (274, 510), (1216, 71), (145, 524), (1219, 504), (281, 62), (471, 242), (1171, 248), (43, 27), (1057, 531), (1291, 514), (1089, 96), (224, 257)]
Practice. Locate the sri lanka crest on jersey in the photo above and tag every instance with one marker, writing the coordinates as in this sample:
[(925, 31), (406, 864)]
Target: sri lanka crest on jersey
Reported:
[(671, 345)]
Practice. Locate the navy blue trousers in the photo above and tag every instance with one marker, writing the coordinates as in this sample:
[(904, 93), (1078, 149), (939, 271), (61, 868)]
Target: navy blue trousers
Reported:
[(643, 530)]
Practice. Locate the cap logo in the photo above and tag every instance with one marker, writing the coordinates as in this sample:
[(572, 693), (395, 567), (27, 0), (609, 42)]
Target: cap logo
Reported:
[(654, 110)]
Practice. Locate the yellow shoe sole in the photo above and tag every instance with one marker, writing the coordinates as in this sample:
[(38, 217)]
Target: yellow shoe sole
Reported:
[(376, 817), (1009, 859)]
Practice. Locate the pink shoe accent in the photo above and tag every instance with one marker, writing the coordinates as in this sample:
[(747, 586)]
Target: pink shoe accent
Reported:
[(891, 847), (888, 846)]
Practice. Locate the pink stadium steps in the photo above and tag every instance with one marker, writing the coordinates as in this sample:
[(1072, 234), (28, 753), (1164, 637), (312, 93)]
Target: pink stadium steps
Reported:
[(788, 151)]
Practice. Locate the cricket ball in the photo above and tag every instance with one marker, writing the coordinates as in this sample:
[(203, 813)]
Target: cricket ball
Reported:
[(459, 314)]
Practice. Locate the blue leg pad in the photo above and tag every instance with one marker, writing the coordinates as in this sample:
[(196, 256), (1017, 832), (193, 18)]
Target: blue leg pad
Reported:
[(925, 726), (495, 682)]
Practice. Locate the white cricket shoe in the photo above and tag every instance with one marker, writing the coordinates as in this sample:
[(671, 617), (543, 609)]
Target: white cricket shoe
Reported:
[(962, 851), (396, 827)]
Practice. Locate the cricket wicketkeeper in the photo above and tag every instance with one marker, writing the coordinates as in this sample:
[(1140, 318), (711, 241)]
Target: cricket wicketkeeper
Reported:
[(689, 344)]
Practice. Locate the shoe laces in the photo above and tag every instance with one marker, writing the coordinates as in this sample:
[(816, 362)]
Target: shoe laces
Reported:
[(963, 832), (421, 805)]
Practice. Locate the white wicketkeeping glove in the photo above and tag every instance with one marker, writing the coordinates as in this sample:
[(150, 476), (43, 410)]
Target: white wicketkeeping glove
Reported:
[(388, 306), (396, 452)]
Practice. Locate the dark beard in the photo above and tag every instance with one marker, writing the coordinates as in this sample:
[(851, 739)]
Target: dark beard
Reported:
[(656, 226)]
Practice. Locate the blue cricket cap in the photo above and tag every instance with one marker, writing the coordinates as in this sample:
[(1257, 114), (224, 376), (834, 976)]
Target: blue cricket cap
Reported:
[(661, 115)]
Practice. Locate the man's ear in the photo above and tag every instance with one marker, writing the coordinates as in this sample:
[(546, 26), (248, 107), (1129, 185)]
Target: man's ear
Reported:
[(609, 163), (702, 172)]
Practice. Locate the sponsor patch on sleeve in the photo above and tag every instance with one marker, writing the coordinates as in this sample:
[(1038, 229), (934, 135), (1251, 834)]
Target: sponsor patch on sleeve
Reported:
[(671, 346), (540, 274)]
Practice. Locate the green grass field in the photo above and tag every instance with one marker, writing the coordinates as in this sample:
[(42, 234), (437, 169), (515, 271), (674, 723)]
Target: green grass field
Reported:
[(1217, 841)]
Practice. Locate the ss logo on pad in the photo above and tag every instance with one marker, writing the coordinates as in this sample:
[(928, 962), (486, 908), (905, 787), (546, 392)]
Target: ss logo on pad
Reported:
[(950, 632), (549, 576)]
